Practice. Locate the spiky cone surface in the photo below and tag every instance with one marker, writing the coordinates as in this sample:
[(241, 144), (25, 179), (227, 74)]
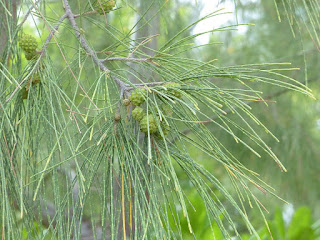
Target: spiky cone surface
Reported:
[(138, 113), (117, 117), (104, 6), (172, 89), (152, 124), (28, 43), (137, 97), (31, 55), (126, 102)]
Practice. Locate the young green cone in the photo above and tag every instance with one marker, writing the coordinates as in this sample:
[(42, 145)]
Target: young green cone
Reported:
[(28, 43), (152, 124)]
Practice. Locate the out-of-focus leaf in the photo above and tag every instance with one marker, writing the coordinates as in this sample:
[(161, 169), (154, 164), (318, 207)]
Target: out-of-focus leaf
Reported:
[(316, 228), (300, 227), (278, 223)]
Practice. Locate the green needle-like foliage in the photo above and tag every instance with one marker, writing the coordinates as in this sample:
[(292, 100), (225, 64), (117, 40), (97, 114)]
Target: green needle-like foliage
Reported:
[(70, 169)]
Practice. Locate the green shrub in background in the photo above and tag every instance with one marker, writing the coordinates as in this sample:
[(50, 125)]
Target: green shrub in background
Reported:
[(301, 226)]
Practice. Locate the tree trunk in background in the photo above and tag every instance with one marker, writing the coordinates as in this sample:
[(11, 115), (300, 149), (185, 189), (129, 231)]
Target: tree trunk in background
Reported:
[(3, 29), (149, 25), (147, 28), (11, 6)]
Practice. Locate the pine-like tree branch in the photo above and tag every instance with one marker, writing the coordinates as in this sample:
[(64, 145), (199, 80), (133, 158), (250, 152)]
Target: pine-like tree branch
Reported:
[(86, 47), (85, 14), (28, 13), (42, 52), (52, 33), (128, 59), (268, 97)]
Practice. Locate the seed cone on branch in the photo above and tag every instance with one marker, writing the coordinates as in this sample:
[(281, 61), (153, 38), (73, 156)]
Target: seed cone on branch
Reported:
[(31, 55), (104, 6), (148, 120), (28, 43), (137, 97), (138, 113), (126, 102), (117, 117), (173, 89)]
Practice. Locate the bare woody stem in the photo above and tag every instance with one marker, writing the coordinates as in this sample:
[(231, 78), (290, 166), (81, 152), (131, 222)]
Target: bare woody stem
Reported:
[(85, 46), (100, 62), (28, 13), (52, 32), (124, 87), (85, 14), (128, 59)]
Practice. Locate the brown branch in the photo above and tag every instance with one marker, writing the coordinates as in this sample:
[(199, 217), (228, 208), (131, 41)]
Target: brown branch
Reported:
[(51, 34), (85, 14), (64, 58), (86, 47), (128, 59), (28, 13), (10, 155), (45, 46)]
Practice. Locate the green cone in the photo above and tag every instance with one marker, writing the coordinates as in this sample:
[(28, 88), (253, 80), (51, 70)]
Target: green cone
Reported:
[(137, 97), (172, 89), (138, 113), (152, 124), (28, 43), (104, 6)]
